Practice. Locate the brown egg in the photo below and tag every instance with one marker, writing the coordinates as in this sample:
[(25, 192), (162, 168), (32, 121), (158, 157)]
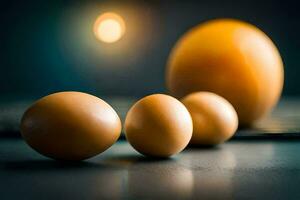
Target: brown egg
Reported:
[(233, 59), (70, 126), (214, 118), (158, 125)]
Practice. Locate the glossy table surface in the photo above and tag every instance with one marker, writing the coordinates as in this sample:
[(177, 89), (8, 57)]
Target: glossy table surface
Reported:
[(238, 169)]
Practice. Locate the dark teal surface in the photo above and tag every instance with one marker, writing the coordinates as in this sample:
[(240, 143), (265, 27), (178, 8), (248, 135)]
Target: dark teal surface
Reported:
[(234, 170)]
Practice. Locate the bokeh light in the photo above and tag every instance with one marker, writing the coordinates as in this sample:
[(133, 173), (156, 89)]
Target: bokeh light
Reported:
[(109, 27)]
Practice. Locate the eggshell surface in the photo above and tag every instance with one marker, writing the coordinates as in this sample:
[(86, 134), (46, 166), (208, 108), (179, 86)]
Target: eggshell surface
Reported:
[(214, 118), (70, 126), (233, 59), (158, 125)]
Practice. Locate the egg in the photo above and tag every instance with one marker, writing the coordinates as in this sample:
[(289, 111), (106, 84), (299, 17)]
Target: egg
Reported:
[(158, 125), (233, 59), (214, 118), (70, 126)]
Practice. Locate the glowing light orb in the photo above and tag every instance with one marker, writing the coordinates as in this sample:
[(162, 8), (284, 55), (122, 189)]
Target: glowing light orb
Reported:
[(109, 27)]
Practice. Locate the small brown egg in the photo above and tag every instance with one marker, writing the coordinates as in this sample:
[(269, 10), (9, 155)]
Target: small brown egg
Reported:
[(214, 118), (70, 126), (158, 125)]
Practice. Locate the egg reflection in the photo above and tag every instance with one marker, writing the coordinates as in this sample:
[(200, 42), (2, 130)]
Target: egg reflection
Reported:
[(214, 179), (173, 182), (154, 178)]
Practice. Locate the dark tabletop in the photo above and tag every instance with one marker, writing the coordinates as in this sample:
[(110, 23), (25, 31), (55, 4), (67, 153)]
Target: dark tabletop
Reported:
[(259, 163), (238, 169)]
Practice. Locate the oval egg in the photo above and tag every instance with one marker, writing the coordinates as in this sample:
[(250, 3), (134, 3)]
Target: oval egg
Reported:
[(70, 126), (158, 125), (214, 118)]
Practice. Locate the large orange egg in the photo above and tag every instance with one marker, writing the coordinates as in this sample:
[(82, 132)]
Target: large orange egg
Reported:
[(233, 59)]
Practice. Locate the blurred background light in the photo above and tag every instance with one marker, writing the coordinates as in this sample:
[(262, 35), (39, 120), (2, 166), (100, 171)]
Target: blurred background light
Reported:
[(114, 68), (109, 27), (52, 43)]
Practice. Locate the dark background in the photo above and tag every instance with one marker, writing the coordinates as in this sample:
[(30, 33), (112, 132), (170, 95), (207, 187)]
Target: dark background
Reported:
[(49, 46)]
